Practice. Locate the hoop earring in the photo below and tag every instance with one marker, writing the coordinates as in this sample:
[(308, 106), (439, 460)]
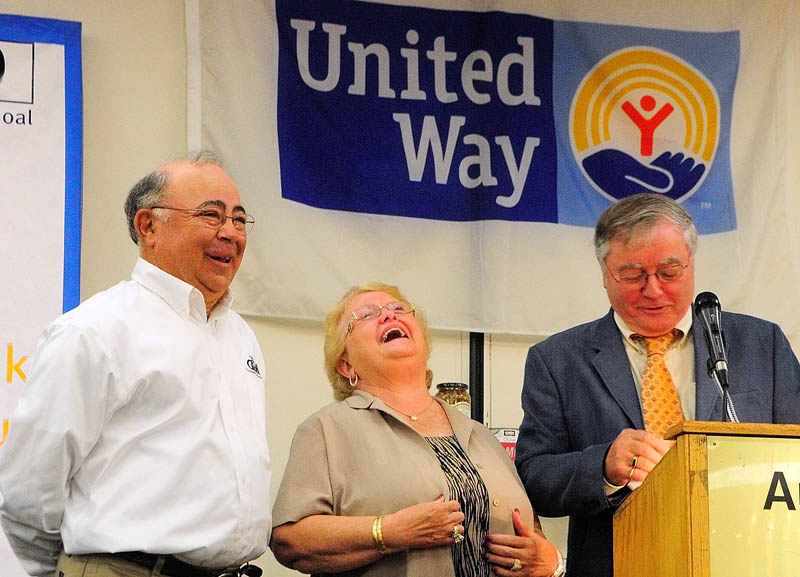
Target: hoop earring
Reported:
[(353, 382)]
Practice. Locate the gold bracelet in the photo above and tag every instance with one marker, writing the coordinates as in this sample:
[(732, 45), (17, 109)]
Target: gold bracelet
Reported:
[(377, 534)]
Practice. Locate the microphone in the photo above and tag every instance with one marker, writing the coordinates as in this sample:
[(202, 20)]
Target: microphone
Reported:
[(709, 311)]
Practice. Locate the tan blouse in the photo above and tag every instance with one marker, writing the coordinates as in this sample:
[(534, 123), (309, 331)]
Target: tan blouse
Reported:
[(360, 457)]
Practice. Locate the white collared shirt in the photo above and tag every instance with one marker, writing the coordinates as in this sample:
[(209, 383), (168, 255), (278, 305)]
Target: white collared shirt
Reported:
[(679, 359), (141, 428)]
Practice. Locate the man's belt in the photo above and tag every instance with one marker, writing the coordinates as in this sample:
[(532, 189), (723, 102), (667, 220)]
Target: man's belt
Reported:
[(172, 567)]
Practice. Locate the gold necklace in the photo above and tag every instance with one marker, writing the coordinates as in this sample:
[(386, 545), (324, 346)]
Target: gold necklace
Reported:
[(415, 416)]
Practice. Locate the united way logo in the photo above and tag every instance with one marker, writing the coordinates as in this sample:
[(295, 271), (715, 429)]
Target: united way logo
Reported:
[(644, 120)]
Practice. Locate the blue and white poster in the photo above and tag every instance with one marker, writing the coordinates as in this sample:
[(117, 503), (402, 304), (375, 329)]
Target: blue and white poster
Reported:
[(41, 141)]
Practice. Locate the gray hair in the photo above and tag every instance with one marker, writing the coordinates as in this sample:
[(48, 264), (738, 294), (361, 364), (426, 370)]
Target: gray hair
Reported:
[(639, 213), (151, 190)]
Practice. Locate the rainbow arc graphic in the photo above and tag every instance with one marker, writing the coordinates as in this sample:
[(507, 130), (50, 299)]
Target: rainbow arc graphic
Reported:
[(645, 68)]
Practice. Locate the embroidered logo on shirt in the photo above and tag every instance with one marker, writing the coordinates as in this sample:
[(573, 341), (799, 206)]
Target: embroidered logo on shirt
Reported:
[(252, 366)]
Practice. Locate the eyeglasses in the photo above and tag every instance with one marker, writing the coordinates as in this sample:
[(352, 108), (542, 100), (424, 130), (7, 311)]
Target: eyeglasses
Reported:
[(367, 312), (215, 217), (665, 275)]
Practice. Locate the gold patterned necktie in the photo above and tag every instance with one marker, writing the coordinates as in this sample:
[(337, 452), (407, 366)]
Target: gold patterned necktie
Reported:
[(661, 406)]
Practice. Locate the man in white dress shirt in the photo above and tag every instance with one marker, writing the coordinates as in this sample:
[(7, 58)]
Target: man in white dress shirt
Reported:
[(138, 446)]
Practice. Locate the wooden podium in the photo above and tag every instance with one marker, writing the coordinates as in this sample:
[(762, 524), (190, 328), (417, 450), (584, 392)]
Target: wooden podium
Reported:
[(722, 502)]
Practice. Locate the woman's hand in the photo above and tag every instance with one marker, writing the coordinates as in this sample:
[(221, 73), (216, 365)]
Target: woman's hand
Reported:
[(335, 543), (423, 525), (537, 556)]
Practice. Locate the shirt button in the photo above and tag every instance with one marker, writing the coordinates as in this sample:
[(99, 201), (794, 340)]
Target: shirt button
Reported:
[(495, 502)]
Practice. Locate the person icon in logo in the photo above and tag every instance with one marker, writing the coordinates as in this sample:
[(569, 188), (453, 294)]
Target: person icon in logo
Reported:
[(647, 126)]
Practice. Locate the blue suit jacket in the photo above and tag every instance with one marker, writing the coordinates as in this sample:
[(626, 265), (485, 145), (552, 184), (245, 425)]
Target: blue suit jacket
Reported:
[(579, 393)]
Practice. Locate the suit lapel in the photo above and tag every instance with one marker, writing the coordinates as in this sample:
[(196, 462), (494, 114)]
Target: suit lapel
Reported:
[(611, 362), (707, 399)]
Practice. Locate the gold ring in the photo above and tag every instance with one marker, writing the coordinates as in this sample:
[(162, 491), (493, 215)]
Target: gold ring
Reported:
[(633, 468), (457, 537), (517, 565)]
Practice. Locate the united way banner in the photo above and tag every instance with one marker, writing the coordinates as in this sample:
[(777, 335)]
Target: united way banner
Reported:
[(41, 159), (465, 125), (465, 152)]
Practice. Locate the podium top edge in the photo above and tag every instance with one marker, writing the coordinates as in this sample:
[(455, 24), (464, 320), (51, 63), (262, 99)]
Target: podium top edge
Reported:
[(732, 429)]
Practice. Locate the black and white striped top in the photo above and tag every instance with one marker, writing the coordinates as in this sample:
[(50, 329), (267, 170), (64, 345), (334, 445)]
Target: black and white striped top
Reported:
[(466, 486)]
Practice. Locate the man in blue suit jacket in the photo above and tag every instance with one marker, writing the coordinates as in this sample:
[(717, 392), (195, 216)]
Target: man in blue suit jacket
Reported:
[(583, 444)]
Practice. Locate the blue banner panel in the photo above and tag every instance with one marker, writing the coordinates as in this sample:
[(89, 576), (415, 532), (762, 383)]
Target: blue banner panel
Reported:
[(416, 112), (644, 110)]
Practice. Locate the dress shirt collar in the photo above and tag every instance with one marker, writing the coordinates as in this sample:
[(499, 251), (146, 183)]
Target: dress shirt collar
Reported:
[(684, 326), (182, 297)]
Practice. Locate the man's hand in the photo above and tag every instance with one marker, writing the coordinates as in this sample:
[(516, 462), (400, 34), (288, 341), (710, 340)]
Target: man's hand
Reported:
[(632, 455)]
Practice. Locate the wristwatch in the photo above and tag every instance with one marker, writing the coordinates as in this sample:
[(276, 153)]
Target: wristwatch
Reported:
[(561, 568)]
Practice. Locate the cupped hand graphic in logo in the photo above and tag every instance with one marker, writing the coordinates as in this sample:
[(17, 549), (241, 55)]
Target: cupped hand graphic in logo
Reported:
[(620, 175), (643, 120)]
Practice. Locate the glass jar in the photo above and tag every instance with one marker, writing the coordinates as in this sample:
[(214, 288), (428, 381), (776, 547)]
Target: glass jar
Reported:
[(456, 394)]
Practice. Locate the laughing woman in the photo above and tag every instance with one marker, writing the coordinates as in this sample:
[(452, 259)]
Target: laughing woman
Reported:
[(390, 481)]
